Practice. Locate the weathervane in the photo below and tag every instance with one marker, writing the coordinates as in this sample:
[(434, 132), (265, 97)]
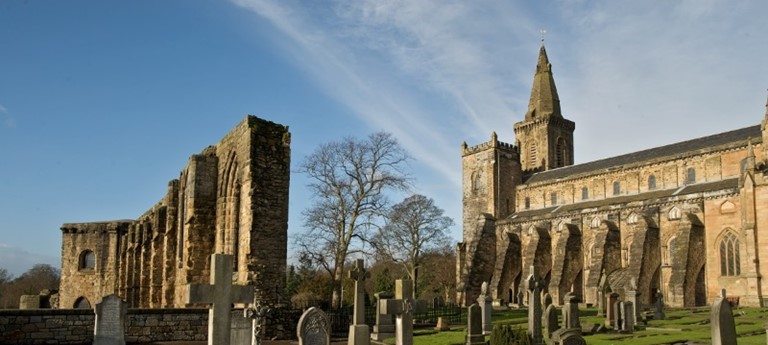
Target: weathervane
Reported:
[(543, 33)]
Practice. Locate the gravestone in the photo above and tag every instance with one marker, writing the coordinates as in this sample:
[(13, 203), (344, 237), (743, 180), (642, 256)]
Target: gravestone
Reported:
[(627, 316), (571, 311), (485, 305), (659, 314), (600, 303), (632, 295), (568, 336), (610, 313), (241, 330), (385, 325), (535, 285), (403, 307), (616, 315), (723, 327), (220, 294), (258, 316), (29, 302), (475, 325), (358, 331), (550, 322), (314, 328), (520, 298), (109, 328), (547, 300)]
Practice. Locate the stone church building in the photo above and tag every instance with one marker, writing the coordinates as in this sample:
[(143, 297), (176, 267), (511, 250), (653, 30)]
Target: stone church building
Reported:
[(684, 218), (230, 198)]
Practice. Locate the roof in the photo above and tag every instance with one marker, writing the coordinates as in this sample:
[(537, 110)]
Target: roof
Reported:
[(731, 183), (753, 132)]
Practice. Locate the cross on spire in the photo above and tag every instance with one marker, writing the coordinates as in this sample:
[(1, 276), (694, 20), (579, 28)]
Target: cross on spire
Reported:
[(543, 33)]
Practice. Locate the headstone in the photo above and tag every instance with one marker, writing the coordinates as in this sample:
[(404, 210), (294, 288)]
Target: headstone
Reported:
[(550, 322), (485, 305), (475, 325), (568, 336), (535, 285), (627, 316), (109, 328), (616, 315), (29, 302), (723, 328), (571, 311), (442, 324), (403, 307), (241, 330), (358, 331), (600, 303), (659, 314), (220, 294), (385, 325), (314, 328), (547, 300), (633, 296), (520, 298), (610, 300), (258, 316)]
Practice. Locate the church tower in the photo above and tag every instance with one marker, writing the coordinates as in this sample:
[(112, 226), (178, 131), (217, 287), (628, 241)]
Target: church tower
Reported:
[(544, 138)]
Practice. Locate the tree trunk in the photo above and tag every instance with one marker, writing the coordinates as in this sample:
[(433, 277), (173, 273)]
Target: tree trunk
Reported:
[(336, 298)]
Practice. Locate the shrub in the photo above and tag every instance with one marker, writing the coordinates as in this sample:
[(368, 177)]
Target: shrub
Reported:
[(508, 335)]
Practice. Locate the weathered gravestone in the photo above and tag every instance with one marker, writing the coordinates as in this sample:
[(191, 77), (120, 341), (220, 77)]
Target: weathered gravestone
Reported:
[(241, 331), (358, 331), (659, 314), (314, 328), (220, 294), (723, 327), (568, 336), (550, 322), (571, 311), (403, 307), (520, 298), (109, 328), (616, 316), (535, 284), (485, 306), (633, 296), (385, 325), (610, 312), (627, 317), (475, 325)]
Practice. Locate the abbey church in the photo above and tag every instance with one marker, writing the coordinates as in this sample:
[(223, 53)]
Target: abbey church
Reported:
[(686, 219)]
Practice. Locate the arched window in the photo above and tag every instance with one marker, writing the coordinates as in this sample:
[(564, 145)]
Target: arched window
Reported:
[(553, 198), (561, 152), (674, 214), (691, 176), (527, 202), (87, 260), (651, 182), (532, 154), (632, 219), (616, 188), (584, 193), (730, 261), (475, 181), (596, 222), (82, 303), (727, 207)]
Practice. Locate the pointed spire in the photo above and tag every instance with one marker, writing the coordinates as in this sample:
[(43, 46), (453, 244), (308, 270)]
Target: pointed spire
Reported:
[(544, 99)]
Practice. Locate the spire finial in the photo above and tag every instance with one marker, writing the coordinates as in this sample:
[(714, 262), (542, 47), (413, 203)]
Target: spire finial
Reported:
[(543, 33)]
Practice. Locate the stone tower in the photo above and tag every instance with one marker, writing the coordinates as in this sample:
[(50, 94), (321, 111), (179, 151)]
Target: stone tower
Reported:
[(544, 138)]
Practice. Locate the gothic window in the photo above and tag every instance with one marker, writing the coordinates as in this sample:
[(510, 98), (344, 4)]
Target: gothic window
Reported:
[(584, 193), (553, 198), (632, 219), (87, 261), (651, 182), (616, 188), (727, 207), (531, 230), (690, 176), (730, 262), (561, 152), (527, 202), (532, 154), (674, 214), (82, 303), (596, 222)]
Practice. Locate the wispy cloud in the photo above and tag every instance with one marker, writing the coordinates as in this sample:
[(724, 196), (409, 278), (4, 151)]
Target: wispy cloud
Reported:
[(8, 120)]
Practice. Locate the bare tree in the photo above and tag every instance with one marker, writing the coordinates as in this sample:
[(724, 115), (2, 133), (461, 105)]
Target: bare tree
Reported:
[(349, 181), (413, 227)]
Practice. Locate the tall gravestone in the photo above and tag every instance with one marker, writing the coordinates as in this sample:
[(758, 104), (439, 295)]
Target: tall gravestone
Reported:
[(403, 307), (659, 312), (550, 322), (616, 315), (723, 327), (571, 312), (109, 328), (627, 316), (633, 296), (485, 305), (535, 285), (220, 294), (475, 325), (358, 331), (314, 328), (610, 315), (385, 325)]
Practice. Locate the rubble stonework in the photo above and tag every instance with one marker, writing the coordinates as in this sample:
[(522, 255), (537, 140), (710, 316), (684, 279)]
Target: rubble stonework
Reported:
[(682, 218), (231, 198)]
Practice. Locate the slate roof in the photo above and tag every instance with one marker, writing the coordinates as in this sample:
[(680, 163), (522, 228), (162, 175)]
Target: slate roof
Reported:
[(731, 183), (753, 132)]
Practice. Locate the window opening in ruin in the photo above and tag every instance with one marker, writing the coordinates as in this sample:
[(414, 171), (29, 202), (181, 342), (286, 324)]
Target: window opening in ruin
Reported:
[(632, 219), (616, 188), (596, 222), (561, 152), (553, 198), (82, 303), (87, 260), (584, 193), (527, 202), (651, 182), (532, 155), (730, 261), (691, 176), (674, 214)]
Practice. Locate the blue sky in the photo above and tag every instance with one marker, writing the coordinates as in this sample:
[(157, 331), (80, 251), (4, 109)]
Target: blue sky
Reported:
[(103, 102)]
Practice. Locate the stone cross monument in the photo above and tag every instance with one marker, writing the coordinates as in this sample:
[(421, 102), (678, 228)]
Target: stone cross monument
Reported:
[(403, 307), (220, 294), (534, 306), (358, 331)]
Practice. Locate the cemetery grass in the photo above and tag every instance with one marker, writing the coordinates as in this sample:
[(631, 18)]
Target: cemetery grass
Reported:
[(683, 325)]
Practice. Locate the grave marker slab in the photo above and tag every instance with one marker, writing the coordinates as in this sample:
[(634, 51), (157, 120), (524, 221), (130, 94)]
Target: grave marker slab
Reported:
[(475, 325), (659, 314), (571, 311), (385, 325), (535, 285), (403, 307), (314, 328), (722, 325), (627, 317), (109, 328), (550, 322), (568, 336)]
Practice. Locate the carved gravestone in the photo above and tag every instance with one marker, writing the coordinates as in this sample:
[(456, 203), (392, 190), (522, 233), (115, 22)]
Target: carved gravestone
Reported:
[(475, 326), (485, 305), (403, 307), (550, 322), (358, 331), (571, 311), (723, 328), (627, 316), (385, 324), (535, 285), (314, 328), (109, 328), (659, 314)]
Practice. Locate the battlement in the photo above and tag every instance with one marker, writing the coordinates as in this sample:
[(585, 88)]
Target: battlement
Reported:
[(96, 227), (494, 143)]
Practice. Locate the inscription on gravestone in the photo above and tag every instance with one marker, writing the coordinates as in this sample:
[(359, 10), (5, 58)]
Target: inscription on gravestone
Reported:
[(109, 328)]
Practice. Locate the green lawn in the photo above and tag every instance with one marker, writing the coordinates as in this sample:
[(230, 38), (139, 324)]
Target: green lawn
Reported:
[(678, 326)]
